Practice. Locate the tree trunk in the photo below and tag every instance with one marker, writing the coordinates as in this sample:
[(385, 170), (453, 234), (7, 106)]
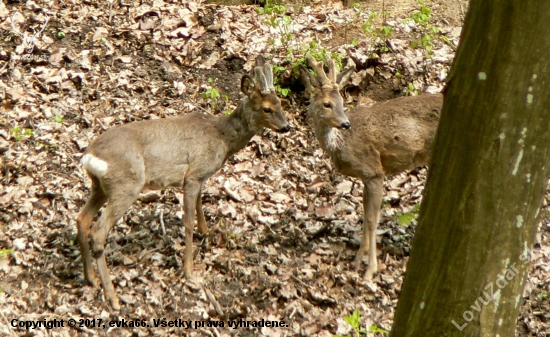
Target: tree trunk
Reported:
[(487, 178)]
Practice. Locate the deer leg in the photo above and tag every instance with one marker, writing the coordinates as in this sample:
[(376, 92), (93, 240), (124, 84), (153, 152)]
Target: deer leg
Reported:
[(191, 191), (372, 198), (201, 222), (106, 283), (117, 204), (83, 224)]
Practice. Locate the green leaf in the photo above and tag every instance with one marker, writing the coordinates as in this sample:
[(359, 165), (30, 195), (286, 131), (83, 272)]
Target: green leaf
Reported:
[(283, 91), (374, 328), (287, 19), (406, 219), (354, 319), (5, 252), (16, 131)]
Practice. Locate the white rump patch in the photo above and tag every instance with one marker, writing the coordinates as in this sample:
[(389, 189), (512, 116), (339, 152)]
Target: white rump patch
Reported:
[(333, 139), (94, 165)]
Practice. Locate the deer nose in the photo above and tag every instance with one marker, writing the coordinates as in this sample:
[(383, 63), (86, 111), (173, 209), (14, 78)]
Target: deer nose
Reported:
[(285, 128), (345, 125)]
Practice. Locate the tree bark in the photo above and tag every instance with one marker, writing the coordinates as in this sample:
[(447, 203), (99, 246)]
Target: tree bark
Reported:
[(486, 180)]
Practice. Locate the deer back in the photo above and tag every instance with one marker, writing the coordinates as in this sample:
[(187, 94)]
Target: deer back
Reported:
[(401, 130)]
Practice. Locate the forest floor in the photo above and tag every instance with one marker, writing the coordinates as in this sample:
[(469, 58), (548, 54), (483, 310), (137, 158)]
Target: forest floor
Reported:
[(284, 226)]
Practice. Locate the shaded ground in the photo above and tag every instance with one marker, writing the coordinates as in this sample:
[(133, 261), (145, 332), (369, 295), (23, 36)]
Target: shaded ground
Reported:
[(284, 226)]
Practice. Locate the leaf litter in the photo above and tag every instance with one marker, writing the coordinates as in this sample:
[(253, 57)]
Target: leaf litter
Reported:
[(284, 226)]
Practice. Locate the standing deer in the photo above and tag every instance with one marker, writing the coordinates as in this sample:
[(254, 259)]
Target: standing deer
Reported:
[(369, 143), (171, 152)]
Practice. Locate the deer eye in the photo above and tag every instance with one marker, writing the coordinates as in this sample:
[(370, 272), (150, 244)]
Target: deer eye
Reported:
[(267, 110), (327, 105)]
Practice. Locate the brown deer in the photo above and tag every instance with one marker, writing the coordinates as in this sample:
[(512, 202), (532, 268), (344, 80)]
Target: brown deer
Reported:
[(370, 142), (172, 152)]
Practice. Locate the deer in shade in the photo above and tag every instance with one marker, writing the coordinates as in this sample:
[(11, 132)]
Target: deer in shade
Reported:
[(369, 142)]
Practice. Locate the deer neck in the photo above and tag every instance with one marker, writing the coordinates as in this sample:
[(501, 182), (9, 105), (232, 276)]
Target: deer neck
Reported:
[(330, 138), (239, 127)]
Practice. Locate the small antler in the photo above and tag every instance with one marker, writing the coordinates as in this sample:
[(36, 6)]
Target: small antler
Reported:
[(264, 77), (318, 67), (332, 72), (261, 80), (268, 71)]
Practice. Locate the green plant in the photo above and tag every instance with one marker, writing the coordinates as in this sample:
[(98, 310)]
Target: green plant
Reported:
[(277, 72), (270, 8), (5, 252), (375, 329), (319, 53), (427, 31), (411, 90), (355, 321), (312, 49), (58, 119), (212, 94), (352, 22), (18, 133), (405, 219), (543, 295), (60, 34), (379, 34), (282, 23)]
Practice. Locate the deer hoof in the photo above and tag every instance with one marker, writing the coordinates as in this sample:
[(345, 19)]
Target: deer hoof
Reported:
[(369, 274), (115, 304), (92, 281), (113, 300)]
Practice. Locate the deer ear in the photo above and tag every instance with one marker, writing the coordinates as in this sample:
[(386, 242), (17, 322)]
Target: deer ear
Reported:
[(343, 77), (310, 81), (247, 85), (260, 61)]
